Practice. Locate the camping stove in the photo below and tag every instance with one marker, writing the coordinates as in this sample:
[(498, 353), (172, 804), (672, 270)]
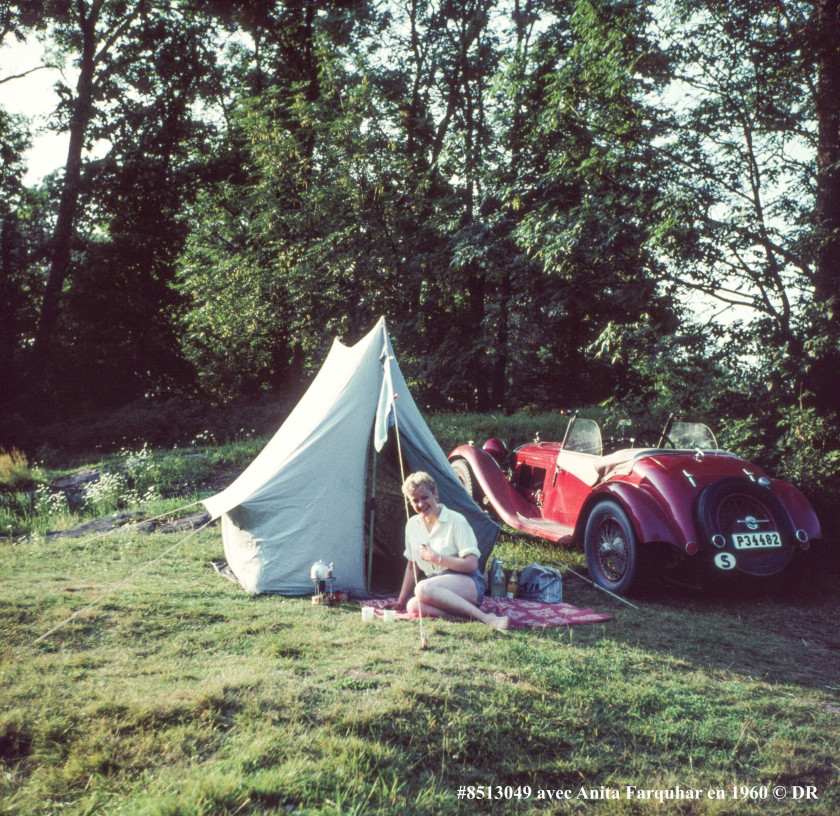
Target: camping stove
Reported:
[(322, 576)]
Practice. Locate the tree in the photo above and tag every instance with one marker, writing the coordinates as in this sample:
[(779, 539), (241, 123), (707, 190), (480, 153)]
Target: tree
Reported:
[(14, 141), (753, 169), (13, 247), (824, 29), (582, 191), (284, 249), (119, 296), (91, 31), (142, 66), (512, 182), (404, 187), (453, 54)]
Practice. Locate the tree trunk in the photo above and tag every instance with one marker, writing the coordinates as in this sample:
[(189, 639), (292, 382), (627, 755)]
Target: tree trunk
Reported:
[(823, 374), (8, 306), (476, 287), (62, 240), (498, 393)]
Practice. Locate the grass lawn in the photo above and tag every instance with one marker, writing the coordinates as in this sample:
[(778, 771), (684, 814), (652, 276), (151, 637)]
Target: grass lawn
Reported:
[(178, 693), (181, 694)]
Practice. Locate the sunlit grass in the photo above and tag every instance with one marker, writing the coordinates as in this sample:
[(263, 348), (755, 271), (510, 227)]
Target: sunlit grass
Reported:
[(15, 472), (177, 693)]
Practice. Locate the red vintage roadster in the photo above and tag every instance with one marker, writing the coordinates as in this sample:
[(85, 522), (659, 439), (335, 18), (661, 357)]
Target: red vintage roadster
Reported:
[(634, 509)]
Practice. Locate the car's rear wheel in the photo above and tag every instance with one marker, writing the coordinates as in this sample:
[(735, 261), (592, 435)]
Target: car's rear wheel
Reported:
[(612, 549)]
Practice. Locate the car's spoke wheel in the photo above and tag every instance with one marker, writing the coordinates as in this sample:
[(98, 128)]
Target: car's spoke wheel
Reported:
[(467, 479), (611, 548)]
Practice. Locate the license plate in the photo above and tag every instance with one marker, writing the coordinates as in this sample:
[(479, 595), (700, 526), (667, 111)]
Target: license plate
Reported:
[(756, 541)]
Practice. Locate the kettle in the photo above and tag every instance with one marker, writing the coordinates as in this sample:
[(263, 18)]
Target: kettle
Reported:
[(321, 571)]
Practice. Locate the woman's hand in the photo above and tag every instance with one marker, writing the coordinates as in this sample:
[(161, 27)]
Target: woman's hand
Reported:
[(428, 554), (467, 563), (406, 591)]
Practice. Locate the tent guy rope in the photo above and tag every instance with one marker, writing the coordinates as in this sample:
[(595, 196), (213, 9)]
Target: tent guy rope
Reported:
[(116, 586)]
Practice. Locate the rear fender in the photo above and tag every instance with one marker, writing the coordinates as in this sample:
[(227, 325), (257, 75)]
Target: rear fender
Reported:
[(648, 517), (799, 509), (506, 501)]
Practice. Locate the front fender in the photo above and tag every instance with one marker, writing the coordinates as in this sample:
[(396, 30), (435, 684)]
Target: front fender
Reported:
[(506, 501), (649, 519)]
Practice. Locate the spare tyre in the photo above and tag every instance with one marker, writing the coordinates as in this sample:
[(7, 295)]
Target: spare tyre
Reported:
[(744, 519)]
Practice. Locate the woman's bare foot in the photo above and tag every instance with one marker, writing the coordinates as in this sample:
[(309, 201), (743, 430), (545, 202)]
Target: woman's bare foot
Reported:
[(501, 622)]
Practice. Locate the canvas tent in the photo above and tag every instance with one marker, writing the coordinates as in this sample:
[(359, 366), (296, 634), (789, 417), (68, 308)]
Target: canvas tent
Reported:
[(307, 495)]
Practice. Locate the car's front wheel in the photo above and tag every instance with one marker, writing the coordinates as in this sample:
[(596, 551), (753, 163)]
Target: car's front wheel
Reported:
[(466, 477), (612, 549)]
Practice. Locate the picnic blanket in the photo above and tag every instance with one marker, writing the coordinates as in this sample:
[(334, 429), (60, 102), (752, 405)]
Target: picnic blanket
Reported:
[(522, 614)]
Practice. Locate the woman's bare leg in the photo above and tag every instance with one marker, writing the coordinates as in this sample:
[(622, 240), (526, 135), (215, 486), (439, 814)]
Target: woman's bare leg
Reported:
[(429, 611), (453, 596)]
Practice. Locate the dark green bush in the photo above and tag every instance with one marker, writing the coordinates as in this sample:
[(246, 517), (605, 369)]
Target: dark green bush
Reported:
[(158, 423)]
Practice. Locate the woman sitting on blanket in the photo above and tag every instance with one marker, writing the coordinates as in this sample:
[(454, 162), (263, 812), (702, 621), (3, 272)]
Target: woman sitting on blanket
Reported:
[(441, 543)]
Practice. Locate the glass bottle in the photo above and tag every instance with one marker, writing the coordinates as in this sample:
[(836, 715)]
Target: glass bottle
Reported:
[(497, 579), (513, 584)]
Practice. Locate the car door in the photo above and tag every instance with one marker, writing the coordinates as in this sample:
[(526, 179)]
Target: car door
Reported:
[(574, 473)]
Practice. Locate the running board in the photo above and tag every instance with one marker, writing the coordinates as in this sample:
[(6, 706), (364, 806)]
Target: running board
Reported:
[(545, 529)]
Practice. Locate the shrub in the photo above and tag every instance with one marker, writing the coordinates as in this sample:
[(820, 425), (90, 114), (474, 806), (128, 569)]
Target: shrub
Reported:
[(15, 474), (132, 483), (809, 456), (51, 503), (159, 423), (516, 429)]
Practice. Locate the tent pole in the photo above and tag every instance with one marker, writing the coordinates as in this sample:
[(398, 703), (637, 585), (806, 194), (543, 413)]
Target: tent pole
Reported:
[(424, 642), (371, 520)]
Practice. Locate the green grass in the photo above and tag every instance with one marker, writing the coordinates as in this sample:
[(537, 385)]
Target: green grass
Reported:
[(15, 472), (179, 694)]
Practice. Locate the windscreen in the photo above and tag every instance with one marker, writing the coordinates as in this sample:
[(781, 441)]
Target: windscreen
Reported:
[(584, 437), (692, 435)]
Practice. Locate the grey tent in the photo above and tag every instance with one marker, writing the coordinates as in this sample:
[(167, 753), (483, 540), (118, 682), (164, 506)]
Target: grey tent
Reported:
[(308, 494)]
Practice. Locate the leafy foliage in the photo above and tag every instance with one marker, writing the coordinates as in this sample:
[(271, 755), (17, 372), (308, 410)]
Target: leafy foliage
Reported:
[(539, 196), (744, 171)]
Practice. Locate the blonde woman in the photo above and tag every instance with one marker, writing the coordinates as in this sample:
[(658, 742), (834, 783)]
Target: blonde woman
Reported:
[(442, 545)]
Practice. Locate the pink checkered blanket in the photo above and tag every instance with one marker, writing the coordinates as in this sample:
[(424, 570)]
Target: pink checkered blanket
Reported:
[(521, 613)]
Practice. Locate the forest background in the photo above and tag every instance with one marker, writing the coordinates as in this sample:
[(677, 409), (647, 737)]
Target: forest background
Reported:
[(554, 203)]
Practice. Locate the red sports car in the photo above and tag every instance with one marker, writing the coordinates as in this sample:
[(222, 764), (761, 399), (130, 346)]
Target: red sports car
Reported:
[(634, 509)]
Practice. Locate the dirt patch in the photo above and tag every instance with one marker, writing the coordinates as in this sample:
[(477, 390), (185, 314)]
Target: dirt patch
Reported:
[(133, 521)]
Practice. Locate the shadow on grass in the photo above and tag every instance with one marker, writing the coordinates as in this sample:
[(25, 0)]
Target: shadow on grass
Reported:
[(785, 633)]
